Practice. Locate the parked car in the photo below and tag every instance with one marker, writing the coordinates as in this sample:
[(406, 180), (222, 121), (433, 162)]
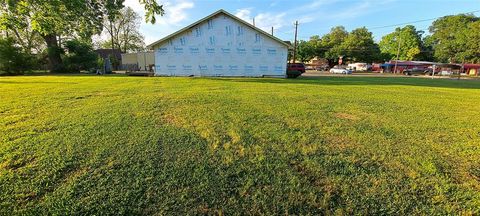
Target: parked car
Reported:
[(293, 74), (416, 71), (340, 70), (359, 67), (445, 73), (321, 68), (438, 72), (309, 67), (296, 67)]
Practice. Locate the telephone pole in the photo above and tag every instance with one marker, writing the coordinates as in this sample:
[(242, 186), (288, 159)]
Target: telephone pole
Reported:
[(398, 53), (295, 43)]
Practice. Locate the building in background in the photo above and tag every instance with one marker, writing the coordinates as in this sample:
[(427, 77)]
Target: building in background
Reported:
[(116, 56), (471, 69), (141, 61), (220, 45)]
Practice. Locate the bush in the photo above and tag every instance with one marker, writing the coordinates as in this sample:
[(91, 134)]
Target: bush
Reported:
[(293, 74), (79, 56), (13, 61)]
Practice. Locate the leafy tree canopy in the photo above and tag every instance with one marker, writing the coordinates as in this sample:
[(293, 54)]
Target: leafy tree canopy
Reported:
[(13, 60), (407, 39), (332, 42), (124, 32), (305, 51), (52, 18), (359, 46), (455, 38)]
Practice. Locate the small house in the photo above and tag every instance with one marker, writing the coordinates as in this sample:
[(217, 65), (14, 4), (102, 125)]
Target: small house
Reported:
[(220, 44)]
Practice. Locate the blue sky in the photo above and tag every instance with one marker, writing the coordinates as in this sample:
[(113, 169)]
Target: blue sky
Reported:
[(316, 17)]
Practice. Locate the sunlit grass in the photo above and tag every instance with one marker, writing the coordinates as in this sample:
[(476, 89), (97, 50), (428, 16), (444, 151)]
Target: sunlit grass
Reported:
[(134, 145)]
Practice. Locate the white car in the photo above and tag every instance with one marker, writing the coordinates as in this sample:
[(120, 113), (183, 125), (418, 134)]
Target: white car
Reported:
[(336, 70), (444, 73)]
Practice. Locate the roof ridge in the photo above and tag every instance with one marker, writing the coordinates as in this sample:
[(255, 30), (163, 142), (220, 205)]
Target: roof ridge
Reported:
[(213, 15)]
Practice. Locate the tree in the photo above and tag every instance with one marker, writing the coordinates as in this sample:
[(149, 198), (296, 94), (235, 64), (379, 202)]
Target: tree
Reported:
[(360, 46), (13, 60), (23, 34), (472, 45), (305, 51), (316, 43), (54, 18), (427, 44), (406, 41), (124, 32), (79, 56), (455, 38), (331, 44)]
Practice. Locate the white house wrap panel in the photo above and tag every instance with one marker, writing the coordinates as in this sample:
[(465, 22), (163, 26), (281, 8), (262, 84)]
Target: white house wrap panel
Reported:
[(220, 45)]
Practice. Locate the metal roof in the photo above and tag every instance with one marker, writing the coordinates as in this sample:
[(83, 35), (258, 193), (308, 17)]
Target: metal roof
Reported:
[(211, 16)]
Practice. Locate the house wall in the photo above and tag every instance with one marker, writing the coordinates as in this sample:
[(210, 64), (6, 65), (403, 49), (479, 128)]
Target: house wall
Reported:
[(140, 60), (221, 46), (129, 58), (145, 59)]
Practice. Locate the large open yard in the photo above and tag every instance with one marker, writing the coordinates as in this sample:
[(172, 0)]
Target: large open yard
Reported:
[(331, 145)]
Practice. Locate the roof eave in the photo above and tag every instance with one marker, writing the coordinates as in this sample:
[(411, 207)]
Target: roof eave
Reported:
[(207, 18)]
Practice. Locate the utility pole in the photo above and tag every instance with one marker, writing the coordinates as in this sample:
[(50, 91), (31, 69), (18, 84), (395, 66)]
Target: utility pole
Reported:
[(433, 71), (398, 53), (295, 43), (462, 69)]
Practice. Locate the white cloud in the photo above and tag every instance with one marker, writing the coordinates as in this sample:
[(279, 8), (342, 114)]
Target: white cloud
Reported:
[(306, 19), (175, 10), (309, 12), (176, 13), (316, 4), (244, 14), (135, 4), (264, 21), (353, 11)]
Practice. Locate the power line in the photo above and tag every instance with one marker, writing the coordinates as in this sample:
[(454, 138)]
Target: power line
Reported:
[(366, 50), (417, 21), (306, 37)]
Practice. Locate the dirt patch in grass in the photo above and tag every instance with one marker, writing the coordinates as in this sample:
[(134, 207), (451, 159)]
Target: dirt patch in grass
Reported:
[(347, 116), (340, 143)]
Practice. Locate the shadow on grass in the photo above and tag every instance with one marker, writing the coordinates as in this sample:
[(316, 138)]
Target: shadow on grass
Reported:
[(36, 82), (346, 80), (407, 81)]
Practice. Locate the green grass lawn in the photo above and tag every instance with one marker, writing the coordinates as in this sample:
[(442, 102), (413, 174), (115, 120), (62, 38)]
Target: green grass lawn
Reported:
[(332, 145)]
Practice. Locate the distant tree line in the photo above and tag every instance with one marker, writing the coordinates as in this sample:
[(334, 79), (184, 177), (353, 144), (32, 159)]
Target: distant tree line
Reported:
[(58, 34), (454, 39)]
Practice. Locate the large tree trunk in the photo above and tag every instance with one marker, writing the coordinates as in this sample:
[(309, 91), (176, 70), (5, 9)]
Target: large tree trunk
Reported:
[(54, 51), (112, 56)]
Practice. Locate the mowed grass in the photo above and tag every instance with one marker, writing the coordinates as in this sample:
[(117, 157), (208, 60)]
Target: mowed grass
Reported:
[(332, 145)]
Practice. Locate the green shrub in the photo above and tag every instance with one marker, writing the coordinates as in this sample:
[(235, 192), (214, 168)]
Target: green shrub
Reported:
[(79, 56), (293, 74), (13, 61)]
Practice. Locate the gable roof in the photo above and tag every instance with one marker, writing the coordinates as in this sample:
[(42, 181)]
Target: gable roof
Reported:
[(221, 11)]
